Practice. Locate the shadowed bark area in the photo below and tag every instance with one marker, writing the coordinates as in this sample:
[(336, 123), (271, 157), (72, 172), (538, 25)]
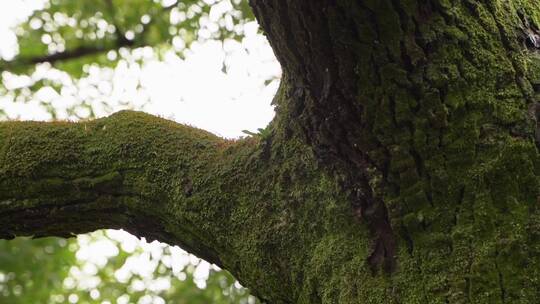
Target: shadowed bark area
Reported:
[(401, 166)]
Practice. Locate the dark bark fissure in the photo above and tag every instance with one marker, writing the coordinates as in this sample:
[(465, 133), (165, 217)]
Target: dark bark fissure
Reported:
[(501, 282), (324, 93)]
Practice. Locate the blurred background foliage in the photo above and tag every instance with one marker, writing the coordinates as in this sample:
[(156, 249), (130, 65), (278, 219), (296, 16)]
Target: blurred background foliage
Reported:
[(59, 45), (110, 267), (60, 42)]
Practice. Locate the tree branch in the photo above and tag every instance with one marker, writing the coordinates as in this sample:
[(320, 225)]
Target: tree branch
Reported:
[(118, 172), (76, 53), (258, 207)]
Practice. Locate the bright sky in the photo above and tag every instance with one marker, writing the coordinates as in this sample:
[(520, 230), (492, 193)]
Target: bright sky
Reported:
[(194, 91)]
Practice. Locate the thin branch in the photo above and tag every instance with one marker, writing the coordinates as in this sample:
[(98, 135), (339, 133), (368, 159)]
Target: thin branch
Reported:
[(77, 53)]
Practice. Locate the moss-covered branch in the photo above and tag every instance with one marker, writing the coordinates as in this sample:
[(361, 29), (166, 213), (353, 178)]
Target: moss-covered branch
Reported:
[(262, 210), (131, 171)]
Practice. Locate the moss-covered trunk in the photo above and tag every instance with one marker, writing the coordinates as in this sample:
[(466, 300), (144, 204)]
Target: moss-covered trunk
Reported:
[(424, 111), (401, 166)]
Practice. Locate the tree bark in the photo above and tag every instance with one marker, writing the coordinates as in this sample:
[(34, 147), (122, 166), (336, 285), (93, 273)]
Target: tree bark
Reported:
[(121, 172), (402, 165)]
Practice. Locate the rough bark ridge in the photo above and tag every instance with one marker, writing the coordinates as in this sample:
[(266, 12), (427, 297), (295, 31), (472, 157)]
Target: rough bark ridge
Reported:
[(401, 166)]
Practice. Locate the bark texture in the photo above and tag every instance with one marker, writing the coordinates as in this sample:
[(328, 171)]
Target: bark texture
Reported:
[(402, 165), (422, 110)]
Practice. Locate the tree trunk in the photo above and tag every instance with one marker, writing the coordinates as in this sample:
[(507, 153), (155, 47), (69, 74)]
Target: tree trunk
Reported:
[(401, 167)]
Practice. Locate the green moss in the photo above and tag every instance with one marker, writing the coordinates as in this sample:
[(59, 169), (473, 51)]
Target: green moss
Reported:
[(449, 150)]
